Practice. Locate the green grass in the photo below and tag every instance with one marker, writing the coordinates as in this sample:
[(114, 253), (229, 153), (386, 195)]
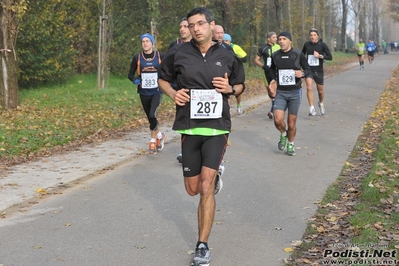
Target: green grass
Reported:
[(57, 114), (380, 190), (333, 193), (374, 218)]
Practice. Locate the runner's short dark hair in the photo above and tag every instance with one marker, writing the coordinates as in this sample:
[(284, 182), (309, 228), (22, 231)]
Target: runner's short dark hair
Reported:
[(202, 11)]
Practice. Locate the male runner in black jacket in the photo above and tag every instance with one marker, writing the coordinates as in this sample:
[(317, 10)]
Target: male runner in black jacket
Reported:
[(284, 77), (206, 74), (316, 52)]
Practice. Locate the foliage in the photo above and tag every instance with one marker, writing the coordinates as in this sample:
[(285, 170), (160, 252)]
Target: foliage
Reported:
[(394, 9), (61, 37), (45, 47), (82, 22), (128, 25)]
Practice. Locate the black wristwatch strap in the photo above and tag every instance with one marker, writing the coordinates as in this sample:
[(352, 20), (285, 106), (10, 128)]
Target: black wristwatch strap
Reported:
[(234, 90)]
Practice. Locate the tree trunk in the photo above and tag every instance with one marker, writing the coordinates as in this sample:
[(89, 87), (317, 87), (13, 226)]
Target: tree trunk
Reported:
[(343, 25), (278, 14), (8, 58), (227, 17), (376, 5), (362, 21)]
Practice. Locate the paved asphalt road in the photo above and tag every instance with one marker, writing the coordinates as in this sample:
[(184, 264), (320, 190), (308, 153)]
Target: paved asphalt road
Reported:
[(135, 211)]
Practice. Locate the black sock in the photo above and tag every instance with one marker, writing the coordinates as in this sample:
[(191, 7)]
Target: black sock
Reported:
[(199, 243), (271, 109)]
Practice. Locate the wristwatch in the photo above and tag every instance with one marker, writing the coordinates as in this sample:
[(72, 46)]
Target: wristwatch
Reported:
[(234, 90)]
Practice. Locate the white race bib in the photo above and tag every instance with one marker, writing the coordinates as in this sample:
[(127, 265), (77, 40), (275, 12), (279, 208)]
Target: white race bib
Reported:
[(206, 104), (269, 61), (313, 60), (149, 80), (286, 77)]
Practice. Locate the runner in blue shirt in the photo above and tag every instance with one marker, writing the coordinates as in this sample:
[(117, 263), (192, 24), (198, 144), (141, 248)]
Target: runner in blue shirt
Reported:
[(370, 47)]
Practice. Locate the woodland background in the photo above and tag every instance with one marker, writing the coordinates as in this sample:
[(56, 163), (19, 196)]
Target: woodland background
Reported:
[(44, 41)]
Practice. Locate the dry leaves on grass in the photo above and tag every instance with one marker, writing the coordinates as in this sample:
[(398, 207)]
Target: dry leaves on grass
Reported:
[(331, 227)]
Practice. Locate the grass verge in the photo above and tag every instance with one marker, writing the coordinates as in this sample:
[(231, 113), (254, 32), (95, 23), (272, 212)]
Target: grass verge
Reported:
[(360, 211)]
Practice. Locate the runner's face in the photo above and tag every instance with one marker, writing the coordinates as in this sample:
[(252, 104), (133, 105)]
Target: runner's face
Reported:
[(184, 31), (314, 37), (218, 33), (146, 44), (200, 29), (272, 39), (284, 43)]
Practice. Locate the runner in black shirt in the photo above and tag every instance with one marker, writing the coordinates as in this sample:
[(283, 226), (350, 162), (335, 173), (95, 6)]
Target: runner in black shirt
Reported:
[(316, 52), (285, 83), (206, 74)]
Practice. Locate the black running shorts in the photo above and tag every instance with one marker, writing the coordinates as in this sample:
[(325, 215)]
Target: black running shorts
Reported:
[(318, 77), (201, 151)]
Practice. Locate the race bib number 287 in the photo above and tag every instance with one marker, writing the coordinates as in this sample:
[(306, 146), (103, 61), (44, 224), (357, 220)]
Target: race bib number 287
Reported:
[(206, 104)]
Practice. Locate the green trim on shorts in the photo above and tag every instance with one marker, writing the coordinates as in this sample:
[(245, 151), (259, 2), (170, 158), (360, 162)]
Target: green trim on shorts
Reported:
[(202, 131)]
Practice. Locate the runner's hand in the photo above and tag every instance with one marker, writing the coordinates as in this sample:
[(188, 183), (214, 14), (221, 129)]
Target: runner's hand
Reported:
[(222, 85), (181, 97), (272, 88)]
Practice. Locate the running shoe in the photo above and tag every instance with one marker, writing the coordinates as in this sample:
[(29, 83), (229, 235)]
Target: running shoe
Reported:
[(161, 142), (219, 182), (312, 111), (180, 158), (282, 144), (291, 149), (153, 148), (239, 110), (202, 255), (270, 115), (322, 109)]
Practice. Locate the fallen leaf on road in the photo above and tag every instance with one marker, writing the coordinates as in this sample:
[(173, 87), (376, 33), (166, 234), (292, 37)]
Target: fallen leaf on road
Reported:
[(288, 249), (41, 191)]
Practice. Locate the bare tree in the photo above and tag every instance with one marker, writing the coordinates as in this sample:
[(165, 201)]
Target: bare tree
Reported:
[(376, 10), (227, 17), (343, 25), (357, 8), (11, 11), (277, 4)]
